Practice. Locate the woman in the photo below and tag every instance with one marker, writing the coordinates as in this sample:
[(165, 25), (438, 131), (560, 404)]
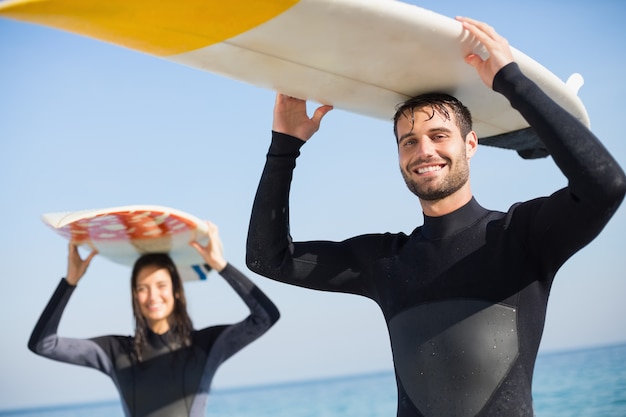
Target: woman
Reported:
[(166, 369)]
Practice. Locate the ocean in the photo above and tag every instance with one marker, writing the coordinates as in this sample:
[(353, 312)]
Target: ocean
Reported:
[(579, 383)]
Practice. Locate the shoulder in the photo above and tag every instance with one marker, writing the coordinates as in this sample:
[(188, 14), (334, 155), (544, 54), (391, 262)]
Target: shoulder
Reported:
[(207, 335), (378, 242), (114, 343)]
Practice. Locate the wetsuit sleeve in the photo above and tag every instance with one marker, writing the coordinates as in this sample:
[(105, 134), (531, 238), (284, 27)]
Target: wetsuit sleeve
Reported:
[(263, 313), (45, 342), (271, 252), (573, 216)]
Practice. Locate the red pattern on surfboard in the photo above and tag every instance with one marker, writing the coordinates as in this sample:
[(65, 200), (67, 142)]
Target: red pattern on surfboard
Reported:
[(126, 226)]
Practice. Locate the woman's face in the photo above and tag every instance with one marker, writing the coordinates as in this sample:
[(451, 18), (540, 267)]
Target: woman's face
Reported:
[(155, 297)]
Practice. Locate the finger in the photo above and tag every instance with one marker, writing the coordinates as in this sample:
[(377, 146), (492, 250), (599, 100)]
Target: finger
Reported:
[(211, 231), (280, 97), (73, 254), (320, 112), (214, 239), (477, 25), (211, 226), (474, 60), (91, 256), (282, 101), (197, 247), (483, 32)]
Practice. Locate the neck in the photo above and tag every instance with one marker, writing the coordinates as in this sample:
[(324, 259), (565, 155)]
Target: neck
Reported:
[(160, 327), (448, 225), (446, 205)]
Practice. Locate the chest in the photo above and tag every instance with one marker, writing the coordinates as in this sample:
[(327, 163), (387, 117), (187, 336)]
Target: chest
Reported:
[(163, 377), (483, 262)]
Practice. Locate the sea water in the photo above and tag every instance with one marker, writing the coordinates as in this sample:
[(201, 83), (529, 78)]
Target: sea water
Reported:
[(581, 383)]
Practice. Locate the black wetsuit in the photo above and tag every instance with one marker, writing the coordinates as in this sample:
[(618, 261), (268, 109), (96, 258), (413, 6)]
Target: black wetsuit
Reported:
[(170, 381), (464, 296)]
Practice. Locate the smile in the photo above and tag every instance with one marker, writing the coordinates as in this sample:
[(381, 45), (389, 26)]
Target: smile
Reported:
[(431, 168)]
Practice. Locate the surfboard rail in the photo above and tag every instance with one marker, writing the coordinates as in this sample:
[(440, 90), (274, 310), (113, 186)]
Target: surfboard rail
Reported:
[(278, 45)]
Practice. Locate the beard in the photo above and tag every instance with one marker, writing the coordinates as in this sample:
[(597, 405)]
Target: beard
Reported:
[(433, 189)]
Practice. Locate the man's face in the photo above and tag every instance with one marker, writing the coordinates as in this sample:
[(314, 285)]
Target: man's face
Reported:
[(433, 155)]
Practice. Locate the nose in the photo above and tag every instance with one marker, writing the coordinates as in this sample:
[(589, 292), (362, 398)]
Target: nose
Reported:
[(425, 148), (151, 293)]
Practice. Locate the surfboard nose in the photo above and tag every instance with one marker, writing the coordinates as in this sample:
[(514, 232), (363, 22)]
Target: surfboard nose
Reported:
[(155, 27)]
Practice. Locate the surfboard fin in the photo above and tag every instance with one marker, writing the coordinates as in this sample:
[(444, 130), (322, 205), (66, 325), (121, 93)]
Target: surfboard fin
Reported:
[(574, 82)]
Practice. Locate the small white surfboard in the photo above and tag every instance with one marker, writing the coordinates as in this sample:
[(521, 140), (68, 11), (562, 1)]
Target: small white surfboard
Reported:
[(122, 234), (364, 56)]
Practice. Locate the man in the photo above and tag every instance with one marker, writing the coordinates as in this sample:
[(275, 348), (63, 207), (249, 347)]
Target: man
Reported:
[(465, 295)]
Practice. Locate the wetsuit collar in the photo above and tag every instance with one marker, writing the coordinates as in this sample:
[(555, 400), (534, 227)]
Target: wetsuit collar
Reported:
[(157, 341), (452, 223)]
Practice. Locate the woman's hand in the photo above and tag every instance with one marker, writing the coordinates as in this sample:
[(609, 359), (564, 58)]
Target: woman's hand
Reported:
[(212, 252), (77, 266)]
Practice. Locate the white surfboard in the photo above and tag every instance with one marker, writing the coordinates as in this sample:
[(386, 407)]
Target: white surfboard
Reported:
[(122, 234), (364, 56)]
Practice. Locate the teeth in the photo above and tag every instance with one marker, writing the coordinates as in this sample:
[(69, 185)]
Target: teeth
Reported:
[(429, 169)]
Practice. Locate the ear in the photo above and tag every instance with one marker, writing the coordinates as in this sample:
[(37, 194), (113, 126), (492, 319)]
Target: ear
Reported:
[(471, 144)]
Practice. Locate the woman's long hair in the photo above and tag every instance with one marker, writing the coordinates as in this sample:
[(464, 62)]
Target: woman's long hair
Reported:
[(179, 321)]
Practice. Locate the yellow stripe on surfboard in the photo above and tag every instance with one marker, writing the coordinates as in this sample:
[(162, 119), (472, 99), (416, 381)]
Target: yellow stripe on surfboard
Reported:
[(155, 27)]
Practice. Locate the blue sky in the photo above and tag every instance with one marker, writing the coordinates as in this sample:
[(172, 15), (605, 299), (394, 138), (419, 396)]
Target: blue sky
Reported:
[(88, 125)]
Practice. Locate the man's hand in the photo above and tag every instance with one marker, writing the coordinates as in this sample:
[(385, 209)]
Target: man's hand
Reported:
[(497, 47), (290, 117)]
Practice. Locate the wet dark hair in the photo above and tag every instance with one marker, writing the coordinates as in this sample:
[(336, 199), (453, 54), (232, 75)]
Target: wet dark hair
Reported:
[(180, 322), (439, 103)]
